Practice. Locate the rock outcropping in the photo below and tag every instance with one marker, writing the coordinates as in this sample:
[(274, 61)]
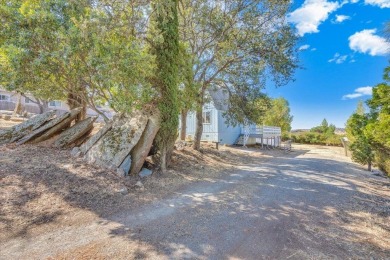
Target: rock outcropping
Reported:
[(122, 144)]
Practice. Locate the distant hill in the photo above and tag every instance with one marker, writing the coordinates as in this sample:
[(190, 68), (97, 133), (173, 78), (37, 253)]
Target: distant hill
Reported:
[(299, 130)]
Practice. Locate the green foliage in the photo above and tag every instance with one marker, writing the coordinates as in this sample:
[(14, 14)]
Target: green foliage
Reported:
[(279, 115), (236, 46), (188, 88), (286, 136), (362, 150), (246, 108), (377, 131), (369, 133), (360, 108), (54, 47), (167, 72), (323, 134), (316, 138), (382, 159), (324, 128)]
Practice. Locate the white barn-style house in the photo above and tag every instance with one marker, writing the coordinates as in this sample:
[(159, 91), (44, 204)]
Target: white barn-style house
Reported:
[(215, 128)]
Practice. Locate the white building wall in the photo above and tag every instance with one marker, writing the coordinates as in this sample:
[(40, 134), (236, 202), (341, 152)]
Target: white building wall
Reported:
[(210, 131), (227, 134)]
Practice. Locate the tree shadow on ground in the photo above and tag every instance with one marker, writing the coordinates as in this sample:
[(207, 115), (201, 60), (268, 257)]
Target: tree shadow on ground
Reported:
[(286, 207), (298, 210)]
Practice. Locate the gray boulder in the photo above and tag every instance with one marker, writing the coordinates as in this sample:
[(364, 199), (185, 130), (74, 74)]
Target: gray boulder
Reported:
[(75, 152), (96, 137), (58, 128), (18, 131), (43, 128), (72, 134), (145, 172), (141, 150), (112, 148), (125, 166)]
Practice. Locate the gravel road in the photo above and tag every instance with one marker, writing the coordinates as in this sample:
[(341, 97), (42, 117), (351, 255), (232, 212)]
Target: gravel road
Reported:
[(292, 206)]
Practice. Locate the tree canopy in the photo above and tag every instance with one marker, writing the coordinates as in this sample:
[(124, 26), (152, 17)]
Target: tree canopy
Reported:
[(279, 115), (56, 47), (369, 133), (137, 54), (324, 128), (236, 46)]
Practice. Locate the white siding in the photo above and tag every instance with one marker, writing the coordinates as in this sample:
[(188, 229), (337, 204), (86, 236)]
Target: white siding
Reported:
[(227, 134), (210, 131)]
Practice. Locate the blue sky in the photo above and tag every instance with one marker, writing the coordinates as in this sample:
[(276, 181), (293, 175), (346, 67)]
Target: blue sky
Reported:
[(343, 52)]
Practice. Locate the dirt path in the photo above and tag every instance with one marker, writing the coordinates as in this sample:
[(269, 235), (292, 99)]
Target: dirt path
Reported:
[(310, 204)]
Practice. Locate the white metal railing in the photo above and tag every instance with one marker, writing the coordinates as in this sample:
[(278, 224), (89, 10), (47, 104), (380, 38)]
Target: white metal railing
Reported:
[(262, 130)]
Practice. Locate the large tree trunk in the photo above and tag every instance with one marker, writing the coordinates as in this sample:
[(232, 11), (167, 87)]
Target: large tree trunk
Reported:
[(18, 107), (183, 131), (199, 118), (166, 157), (369, 166), (75, 100), (43, 106), (163, 159), (199, 127)]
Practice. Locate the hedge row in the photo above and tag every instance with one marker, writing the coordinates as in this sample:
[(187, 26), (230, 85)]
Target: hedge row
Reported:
[(314, 138)]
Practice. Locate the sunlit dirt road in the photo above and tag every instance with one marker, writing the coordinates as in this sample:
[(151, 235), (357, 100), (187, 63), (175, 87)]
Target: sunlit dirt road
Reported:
[(312, 203)]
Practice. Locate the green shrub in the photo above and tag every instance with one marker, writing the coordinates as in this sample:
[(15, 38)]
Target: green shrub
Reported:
[(316, 138), (286, 136), (382, 159)]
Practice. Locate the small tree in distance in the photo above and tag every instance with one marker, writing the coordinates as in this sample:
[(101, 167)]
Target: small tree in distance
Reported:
[(362, 151), (324, 128)]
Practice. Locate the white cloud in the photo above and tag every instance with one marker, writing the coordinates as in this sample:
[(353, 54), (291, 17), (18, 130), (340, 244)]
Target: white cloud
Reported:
[(313, 49), (354, 1), (367, 42), (311, 14), (359, 92), (304, 47), (338, 59), (380, 3), (341, 18)]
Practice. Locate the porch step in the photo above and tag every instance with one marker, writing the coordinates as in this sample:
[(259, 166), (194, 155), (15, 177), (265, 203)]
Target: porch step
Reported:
[(240, 140)]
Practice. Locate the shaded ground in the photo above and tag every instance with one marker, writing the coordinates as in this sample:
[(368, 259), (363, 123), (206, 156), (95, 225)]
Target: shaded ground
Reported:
[(233, 203)]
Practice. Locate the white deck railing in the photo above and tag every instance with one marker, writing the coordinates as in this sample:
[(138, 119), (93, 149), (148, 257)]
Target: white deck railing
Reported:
[(266, 131)]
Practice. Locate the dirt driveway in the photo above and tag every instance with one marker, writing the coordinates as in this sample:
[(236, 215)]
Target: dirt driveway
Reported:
[(312, 203)]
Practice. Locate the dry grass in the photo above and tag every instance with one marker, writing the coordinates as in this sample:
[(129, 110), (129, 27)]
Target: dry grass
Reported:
[(44, 189)]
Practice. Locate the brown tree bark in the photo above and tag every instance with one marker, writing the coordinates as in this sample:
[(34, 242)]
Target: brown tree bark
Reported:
[(75, 100), (43, 106), (199, 128), (183, 131), (18, 107), (199, 119)]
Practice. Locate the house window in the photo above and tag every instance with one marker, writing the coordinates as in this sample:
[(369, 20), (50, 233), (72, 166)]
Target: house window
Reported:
[(207, 117), (4, 98), (55, 103), (27, 100)]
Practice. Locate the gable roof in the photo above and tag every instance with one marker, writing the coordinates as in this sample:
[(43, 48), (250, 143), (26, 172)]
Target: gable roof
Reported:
[(220, 98)]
